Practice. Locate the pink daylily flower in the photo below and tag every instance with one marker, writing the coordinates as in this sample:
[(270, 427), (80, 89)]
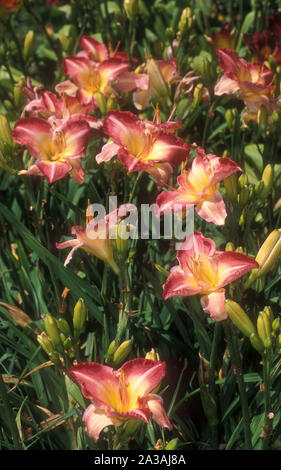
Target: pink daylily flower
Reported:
[(98, 236), (155, 82), (199, 187), (48, 105), (143, 145), (206, 271), (57, 146), (252, 82), (122, 395), (90, 78)]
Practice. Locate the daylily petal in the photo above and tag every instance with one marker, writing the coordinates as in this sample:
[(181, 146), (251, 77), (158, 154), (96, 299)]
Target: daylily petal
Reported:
[(214, 304), (213, 209), (180, 283), (232, 266), (97, 382), (227, 86), (34, 133), (95, 49), (129, 81), (142, 376), (54, 170), (155, 404), (108, 151), (161, 172), (95, 421), (141, 99)]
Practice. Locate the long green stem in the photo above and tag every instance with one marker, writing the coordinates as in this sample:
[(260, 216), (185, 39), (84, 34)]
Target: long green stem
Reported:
[(267, 424), (237, 366)]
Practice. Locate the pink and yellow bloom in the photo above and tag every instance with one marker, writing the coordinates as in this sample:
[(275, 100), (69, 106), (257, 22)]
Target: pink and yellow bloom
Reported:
[(199, 188), (56, 145), (90, 78), (143, 145), (206, 271), (98, 237), (251, 82), (122, 395)]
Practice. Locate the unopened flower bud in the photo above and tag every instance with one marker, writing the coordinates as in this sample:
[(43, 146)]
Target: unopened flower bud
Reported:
[(268, 312), (152, 355), (229, 247), (28, 44), (19, 95), (262, 118), (231, 186), (256, 342), (122, 239), (278, 342), (156, 79), (243, 180), (45, 343), (239, 317), (122, 352), (267, 179), (230, 117), (276, 325), (131, 8), (263, 327), (185, 22), (79, 318), (64, 327), (269, 253), (244, 196), (53, 332), (6, 139), (111, 350)]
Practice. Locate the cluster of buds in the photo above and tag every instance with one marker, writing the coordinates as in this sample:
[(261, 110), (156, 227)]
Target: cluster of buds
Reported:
[(59, 339), (117, 353), (265, 335)]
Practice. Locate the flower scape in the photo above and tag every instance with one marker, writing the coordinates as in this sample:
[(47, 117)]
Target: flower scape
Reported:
[(140, 207)]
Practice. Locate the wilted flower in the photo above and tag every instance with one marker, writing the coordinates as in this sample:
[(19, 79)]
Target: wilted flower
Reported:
[(57, 146), (206, 271), (143, 145), (199, 187), (98, 237), (122, 395), (251, 82)]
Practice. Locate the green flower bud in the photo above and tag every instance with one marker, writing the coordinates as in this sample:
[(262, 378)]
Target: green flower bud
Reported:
[(244, 196), (111, 350), (131, 8), (19, 96), (53, 332), (239, 317), (276, 325), (243, 180), (28, 44), (262, 118), (263, 327), (231, 186), (278, 343), (45, 343), (79, 318), (257, 343), (122, 352), (267, 179), (185, 22), (6, 139), (268, 312), (230, 117), (229, 247), (269, 253), (64, 327), (122, 239)]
